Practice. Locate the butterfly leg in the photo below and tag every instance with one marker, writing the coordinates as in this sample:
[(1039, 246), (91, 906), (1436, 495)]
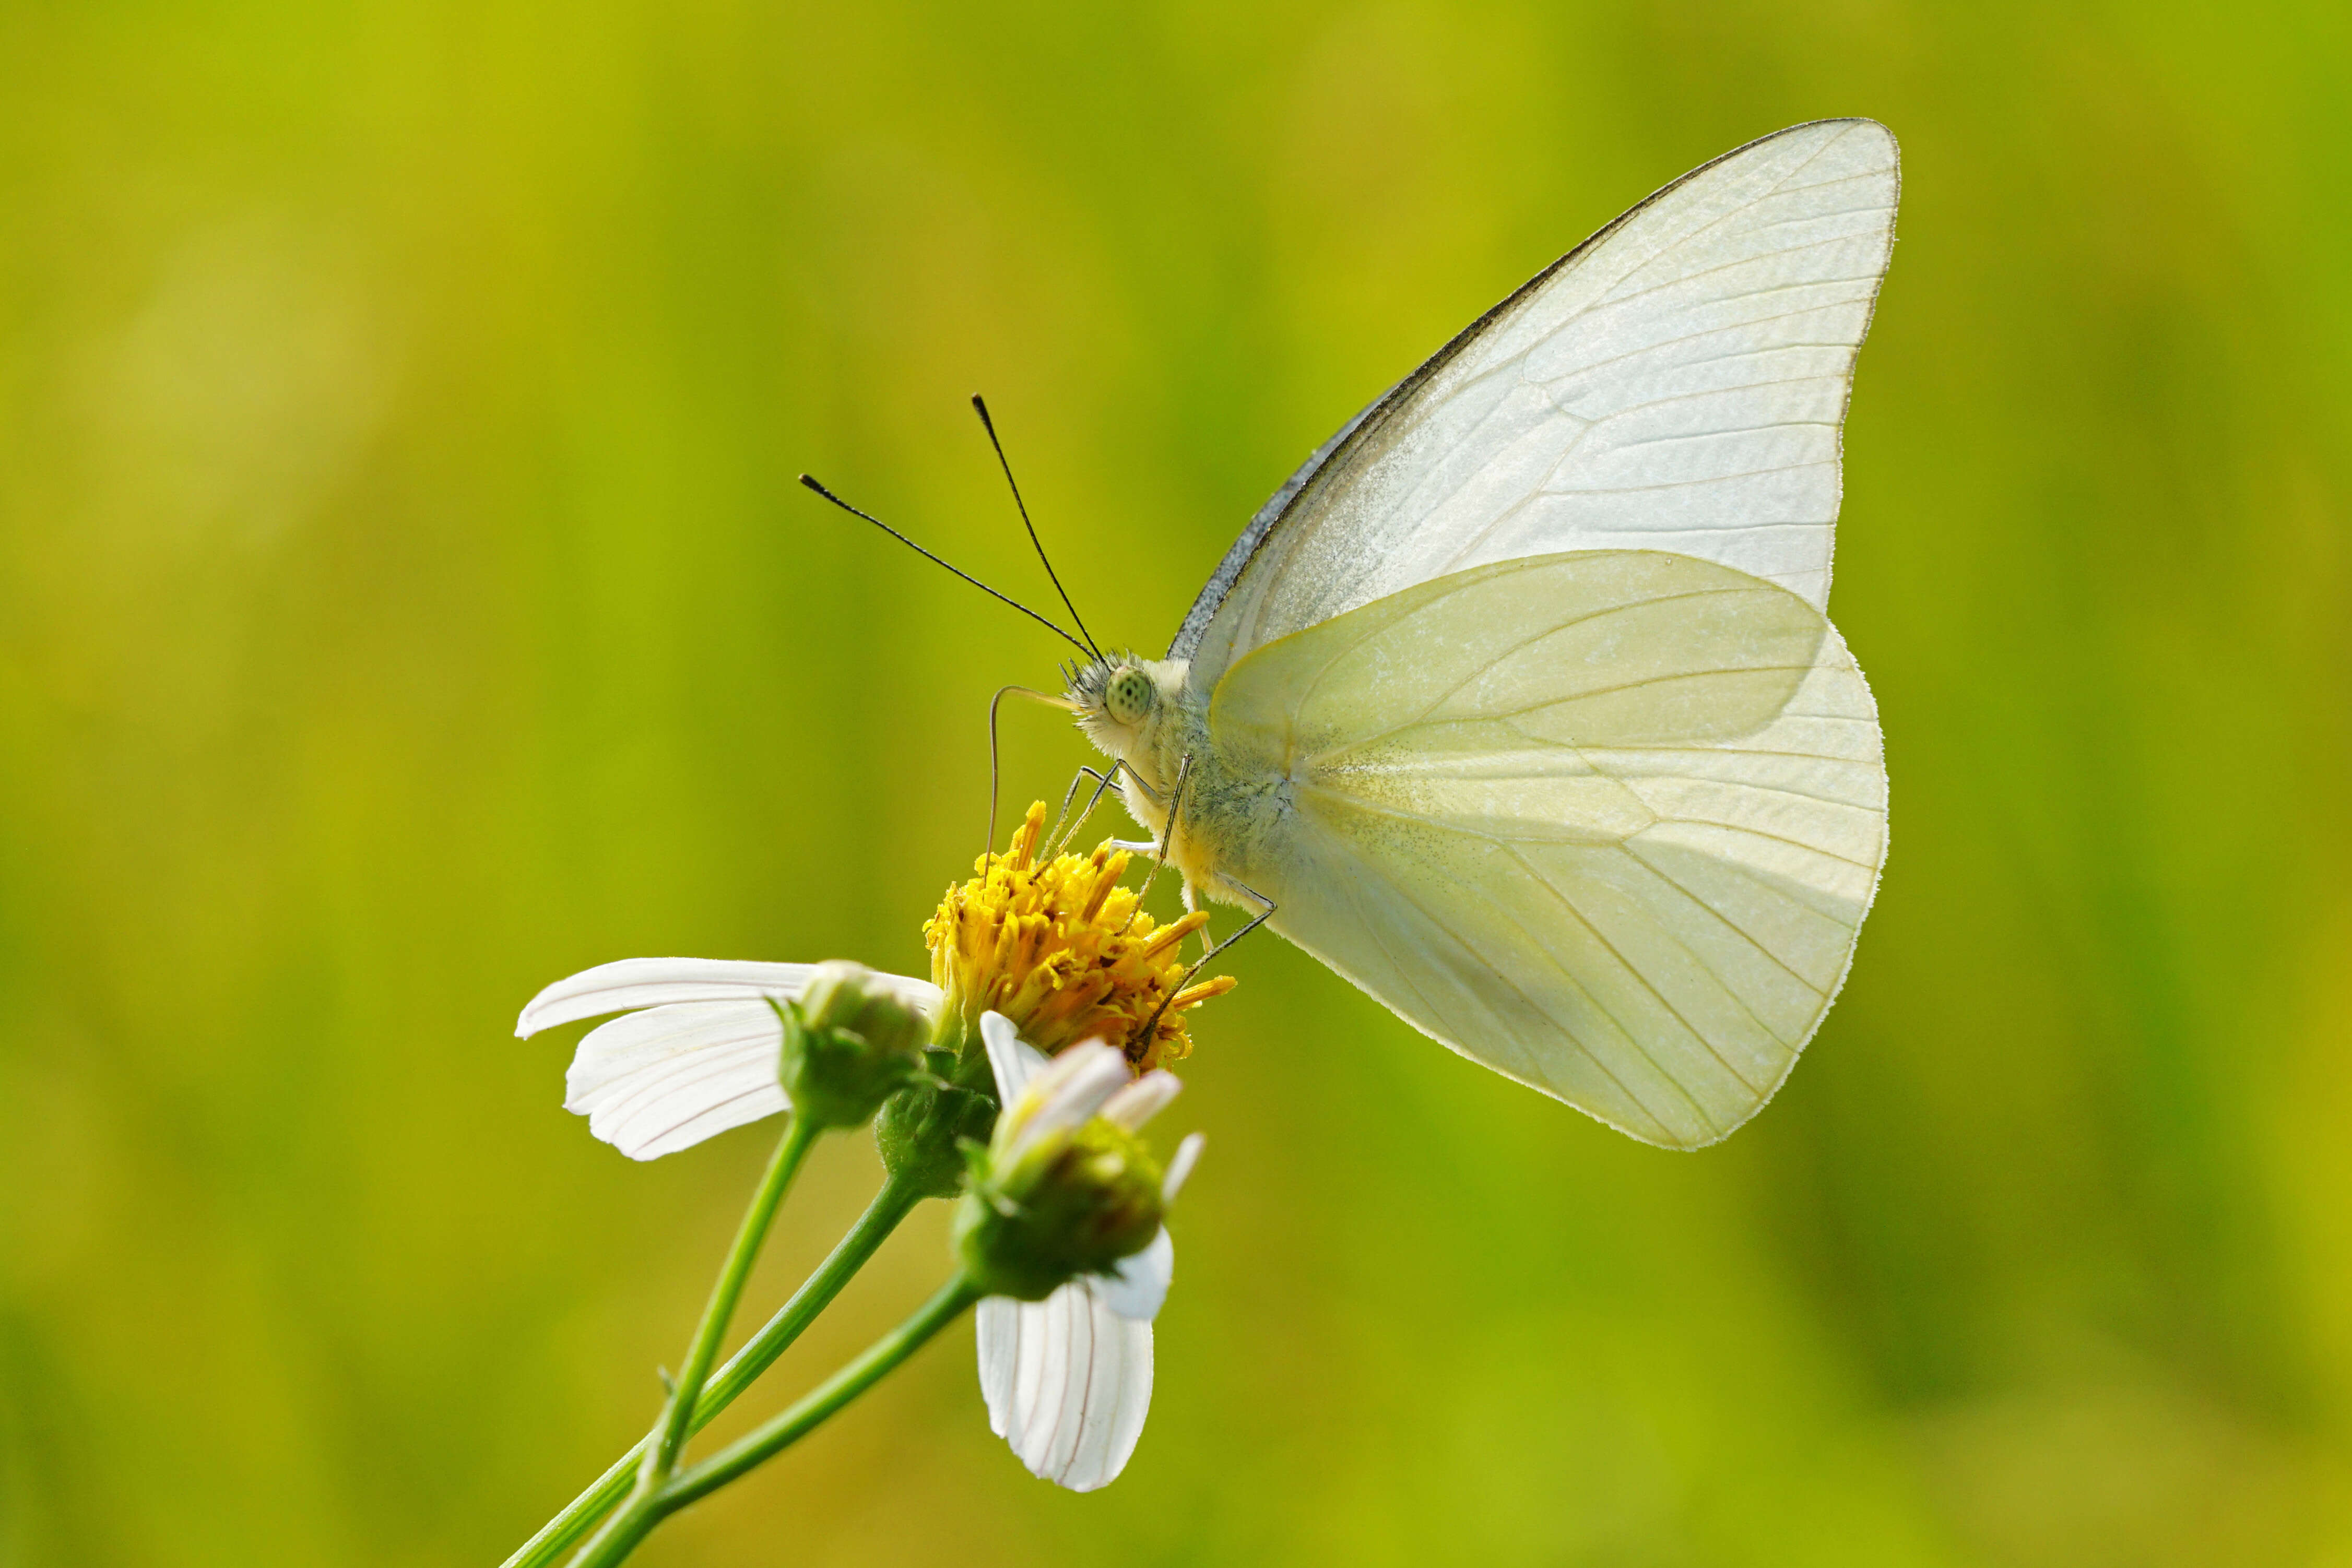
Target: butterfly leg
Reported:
[(1062, 834), (1167, 836), (1265, 911)]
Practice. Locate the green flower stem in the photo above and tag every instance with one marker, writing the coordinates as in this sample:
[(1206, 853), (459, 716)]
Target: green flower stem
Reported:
[(891, 1205), (645, 1511), (882, 1356), (801, 1133)]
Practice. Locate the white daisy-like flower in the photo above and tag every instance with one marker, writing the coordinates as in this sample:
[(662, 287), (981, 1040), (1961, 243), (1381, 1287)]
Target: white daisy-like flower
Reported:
[(695, 1053), (1067, 1380), (1035, 953), (1056, 945)]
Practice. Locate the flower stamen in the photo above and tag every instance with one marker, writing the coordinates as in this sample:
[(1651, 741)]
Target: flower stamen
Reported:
[(1175, 932), (1192, 995), (1062, 949)]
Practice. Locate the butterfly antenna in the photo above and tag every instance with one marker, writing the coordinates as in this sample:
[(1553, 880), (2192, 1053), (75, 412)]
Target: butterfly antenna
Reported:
[(927, 555), (980, 406)]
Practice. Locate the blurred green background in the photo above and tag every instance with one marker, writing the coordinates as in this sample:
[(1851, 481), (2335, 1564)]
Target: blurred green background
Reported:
[(404, 602)]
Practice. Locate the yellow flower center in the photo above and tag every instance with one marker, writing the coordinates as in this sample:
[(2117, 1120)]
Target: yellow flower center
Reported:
[(1062, 949)]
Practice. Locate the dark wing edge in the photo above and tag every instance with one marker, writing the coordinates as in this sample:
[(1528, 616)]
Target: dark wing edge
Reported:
[(1269, 517), (1221, 581)]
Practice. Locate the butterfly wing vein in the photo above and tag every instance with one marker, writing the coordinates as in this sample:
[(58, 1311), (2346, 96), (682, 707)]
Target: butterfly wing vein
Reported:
[(1678, 382), (1607, 821)]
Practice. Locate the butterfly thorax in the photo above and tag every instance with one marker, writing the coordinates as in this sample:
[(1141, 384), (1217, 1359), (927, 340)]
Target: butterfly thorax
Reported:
[(1145, 714)]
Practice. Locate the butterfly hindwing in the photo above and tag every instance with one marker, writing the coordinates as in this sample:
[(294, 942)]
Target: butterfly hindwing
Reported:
[(1607, 821)]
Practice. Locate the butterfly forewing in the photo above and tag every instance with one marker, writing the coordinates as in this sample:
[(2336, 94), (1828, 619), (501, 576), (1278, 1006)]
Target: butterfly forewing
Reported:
[(1676, 383), (1607, 821)]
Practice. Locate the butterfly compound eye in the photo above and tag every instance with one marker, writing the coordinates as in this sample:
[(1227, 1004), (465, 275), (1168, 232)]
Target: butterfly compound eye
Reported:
[(1129, 697)]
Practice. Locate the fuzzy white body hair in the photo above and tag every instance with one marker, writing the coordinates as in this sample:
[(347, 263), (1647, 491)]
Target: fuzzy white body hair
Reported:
[(1230, 820)]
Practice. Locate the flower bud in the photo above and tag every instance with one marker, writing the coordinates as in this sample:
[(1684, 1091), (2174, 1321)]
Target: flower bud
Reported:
[(850, 1042), (846, 997), (1068, 1203)]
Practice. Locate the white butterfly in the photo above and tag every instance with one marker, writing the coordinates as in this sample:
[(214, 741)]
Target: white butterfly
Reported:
[(1516, 705)]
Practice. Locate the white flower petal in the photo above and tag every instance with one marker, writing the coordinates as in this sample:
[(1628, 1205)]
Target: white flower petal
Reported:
[(1179, 1167), (658, 982), (1067, 1382), (1138, 1288), (1067, 1095), (1013, 1059), (1139, 1102), (661, 1080)]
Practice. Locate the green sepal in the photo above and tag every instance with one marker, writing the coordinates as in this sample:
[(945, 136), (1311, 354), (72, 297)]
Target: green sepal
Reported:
[(924, 1129)]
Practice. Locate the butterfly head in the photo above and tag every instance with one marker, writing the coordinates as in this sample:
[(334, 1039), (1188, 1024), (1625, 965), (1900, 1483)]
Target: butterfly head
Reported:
[(1119, 697)]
